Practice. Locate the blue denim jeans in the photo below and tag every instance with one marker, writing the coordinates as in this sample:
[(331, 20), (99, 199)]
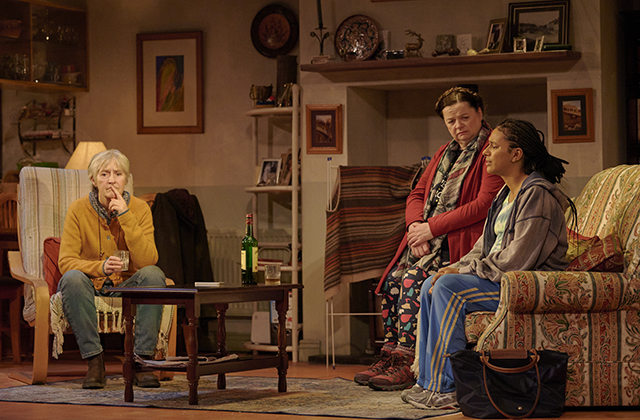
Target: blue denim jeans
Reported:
[(78, 303)]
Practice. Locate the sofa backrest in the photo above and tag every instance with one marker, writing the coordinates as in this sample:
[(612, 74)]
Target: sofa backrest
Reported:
[(610, 203)]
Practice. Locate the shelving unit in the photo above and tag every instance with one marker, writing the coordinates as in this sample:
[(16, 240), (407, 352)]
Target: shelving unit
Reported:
[(291, 113), (43, 46), (43, 122)]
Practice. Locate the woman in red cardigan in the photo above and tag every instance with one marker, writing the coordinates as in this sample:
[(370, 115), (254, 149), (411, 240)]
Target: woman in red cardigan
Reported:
[(444, 217)]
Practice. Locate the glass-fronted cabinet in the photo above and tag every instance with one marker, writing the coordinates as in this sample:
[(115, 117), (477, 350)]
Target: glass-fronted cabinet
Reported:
[(43, 46)]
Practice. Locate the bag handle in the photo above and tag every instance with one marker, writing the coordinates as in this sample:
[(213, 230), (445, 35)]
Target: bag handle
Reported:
[(534, 363), (509, 354)]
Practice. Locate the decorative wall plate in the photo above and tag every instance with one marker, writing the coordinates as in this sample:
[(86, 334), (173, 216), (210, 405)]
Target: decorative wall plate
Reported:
[(357, 38), (274, 31)]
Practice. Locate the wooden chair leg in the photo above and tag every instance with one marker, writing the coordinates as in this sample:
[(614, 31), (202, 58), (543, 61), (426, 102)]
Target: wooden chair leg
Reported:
[(41, 341), (15, 313)]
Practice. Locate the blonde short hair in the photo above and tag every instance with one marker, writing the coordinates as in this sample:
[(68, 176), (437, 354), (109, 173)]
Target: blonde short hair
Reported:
[(102, 159)]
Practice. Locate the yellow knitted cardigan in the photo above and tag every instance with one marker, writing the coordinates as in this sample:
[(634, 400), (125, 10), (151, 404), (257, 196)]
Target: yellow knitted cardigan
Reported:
[(87, 240)]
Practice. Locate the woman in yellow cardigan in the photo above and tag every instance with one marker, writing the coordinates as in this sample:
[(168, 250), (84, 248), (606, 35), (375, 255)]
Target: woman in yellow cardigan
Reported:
[(106, 220)]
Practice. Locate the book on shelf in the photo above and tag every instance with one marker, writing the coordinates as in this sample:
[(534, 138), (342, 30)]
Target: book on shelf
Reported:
[(202, 284)]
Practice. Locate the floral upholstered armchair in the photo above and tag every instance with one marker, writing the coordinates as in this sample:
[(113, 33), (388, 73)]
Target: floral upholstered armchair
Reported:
[(594, 316)]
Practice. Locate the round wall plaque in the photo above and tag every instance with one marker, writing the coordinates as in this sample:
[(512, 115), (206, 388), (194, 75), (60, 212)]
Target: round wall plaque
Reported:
[(274, 31)]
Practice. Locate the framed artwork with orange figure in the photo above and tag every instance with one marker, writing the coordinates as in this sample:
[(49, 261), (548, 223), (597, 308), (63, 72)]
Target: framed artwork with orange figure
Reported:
[(169, 83)]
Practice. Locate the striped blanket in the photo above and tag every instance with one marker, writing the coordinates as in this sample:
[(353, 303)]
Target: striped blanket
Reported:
[(365, 222)]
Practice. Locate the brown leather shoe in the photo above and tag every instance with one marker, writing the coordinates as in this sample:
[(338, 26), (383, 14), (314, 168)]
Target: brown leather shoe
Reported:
[(95, 378), (146, 380)]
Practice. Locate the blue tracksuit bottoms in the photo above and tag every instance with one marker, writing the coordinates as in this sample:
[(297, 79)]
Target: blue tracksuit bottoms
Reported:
[(442, 317)]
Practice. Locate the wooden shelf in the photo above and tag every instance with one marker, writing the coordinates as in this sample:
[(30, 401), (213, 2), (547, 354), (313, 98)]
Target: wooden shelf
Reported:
[(447, 66), (270, 111)]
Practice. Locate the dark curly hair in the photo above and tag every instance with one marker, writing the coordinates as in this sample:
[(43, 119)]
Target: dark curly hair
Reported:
[(458, 94)]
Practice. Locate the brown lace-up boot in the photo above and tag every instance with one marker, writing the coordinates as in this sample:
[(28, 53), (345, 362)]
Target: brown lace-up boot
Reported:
[(378, 367), (95, 378), (398, 375)]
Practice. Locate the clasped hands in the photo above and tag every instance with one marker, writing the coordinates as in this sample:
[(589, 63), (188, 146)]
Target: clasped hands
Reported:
[(418, 237)]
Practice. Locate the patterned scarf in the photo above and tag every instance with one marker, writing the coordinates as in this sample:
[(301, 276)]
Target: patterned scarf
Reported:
[(102, 212), (443, 197)]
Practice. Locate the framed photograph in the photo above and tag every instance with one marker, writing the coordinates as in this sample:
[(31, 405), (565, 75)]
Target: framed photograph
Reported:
[(495, 39), (572, 115), (539, 44), (537, 18), (169, 88), (520, 44), (269, 172), (324, 129)]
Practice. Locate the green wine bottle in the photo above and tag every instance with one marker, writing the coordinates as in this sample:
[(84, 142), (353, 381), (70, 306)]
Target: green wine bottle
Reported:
[(249, 258)]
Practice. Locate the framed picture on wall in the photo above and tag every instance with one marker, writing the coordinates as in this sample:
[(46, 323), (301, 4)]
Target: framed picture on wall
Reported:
[(536, 18), (572, 115), (169, 83), (324, 129)]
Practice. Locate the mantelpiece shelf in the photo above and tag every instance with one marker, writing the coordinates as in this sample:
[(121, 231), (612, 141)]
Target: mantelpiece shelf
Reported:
[(446, 66)]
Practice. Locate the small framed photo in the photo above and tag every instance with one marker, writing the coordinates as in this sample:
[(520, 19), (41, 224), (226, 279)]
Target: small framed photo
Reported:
[(532, 19), (539, 44), (519, 44), (269, 172), (495, 39), (572, 115), (324, 129)]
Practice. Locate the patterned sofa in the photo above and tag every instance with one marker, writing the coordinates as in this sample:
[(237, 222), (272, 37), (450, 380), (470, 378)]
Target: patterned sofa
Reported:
[(592, 316)]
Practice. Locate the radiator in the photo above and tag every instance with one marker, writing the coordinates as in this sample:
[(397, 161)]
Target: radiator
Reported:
[(225, 260)]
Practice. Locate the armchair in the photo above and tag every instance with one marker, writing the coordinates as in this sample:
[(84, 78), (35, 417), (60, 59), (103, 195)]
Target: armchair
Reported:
[(592, 316), (44, 195)]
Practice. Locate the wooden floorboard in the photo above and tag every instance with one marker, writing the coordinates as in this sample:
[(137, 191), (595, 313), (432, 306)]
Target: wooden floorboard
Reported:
[(71, 367)]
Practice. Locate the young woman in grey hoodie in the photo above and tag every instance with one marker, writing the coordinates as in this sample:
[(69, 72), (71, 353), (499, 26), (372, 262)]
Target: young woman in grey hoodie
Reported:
[(525, 230)]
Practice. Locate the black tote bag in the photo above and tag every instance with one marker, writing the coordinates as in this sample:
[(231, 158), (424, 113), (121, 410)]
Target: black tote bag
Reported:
[(510, 383)]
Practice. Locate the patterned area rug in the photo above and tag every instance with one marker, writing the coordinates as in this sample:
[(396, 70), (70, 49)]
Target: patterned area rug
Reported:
[(311, 397)]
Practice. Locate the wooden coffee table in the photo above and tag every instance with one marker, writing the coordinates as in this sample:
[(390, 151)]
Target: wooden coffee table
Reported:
[(192, 299)]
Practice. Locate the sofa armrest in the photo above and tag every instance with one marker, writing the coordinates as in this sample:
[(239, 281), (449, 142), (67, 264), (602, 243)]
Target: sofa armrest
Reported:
[(562, 292)]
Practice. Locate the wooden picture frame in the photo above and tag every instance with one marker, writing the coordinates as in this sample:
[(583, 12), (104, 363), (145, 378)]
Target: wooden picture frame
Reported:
[(535, 18), (324, 129), (269, 172), (572, 115), (169, 83), (495, 38)]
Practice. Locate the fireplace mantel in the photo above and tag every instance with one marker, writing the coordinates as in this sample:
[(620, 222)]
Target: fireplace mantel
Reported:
[(484, 66)]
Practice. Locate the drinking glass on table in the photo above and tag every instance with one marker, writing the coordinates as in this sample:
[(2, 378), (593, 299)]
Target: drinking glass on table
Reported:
[(272, 273)]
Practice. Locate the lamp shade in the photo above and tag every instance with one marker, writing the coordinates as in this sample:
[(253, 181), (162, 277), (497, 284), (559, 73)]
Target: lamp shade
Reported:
[(84, 152)]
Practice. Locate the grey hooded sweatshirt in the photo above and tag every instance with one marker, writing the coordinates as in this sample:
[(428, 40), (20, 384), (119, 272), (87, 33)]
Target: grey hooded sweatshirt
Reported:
[(535, 237)]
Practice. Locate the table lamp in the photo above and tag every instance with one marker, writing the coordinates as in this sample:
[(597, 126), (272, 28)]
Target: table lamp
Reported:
[(83, 154)]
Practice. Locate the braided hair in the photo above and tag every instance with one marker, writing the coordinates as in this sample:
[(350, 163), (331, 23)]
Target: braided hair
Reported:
[(523, 134), (458, 94), (526, 136)]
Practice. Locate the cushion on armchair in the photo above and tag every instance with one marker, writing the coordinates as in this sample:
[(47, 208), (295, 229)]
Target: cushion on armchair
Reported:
[(604, 255), (52, 273)]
